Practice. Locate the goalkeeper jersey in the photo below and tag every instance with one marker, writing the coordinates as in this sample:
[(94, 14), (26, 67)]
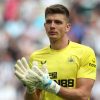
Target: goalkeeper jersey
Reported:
[(66, 65)]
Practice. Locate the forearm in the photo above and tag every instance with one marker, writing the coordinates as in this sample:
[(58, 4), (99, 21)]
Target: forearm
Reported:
[(34, 96), (31, 96), (73, 94)]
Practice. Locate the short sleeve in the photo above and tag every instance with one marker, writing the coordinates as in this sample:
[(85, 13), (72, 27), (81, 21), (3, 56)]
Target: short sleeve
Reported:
[(87, 67)]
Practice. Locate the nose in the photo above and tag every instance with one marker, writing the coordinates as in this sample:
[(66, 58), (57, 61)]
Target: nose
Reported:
[(52, 24)]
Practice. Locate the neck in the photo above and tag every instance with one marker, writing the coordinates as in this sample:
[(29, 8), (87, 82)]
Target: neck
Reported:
[(59, 44)]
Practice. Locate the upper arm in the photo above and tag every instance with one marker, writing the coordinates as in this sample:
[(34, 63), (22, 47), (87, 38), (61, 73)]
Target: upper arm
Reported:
[(87, 72), (85, 85)]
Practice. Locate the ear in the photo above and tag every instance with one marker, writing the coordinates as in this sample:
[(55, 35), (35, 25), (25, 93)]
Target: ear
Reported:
[(44, 24), (68, 27)]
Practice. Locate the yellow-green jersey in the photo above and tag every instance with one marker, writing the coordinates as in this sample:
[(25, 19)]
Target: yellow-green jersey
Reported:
[(66, 65)]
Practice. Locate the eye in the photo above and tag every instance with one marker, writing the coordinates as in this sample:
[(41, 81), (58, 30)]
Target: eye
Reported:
[(58, 22), (48, 21)]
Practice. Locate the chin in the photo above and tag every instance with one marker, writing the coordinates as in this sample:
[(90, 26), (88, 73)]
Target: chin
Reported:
[(53, 38)]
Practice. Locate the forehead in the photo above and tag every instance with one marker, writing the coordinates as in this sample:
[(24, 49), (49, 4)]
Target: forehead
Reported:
[(56, 17)]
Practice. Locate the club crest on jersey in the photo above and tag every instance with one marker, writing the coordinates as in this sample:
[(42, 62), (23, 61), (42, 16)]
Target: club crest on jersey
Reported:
[(71, 59)]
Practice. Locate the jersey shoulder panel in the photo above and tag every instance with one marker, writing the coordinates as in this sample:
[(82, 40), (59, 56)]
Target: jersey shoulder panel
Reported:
[(38, 53), (41, 51), (83, 49)]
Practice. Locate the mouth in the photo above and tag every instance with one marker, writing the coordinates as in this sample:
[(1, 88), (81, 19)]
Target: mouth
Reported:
[(52, 33)]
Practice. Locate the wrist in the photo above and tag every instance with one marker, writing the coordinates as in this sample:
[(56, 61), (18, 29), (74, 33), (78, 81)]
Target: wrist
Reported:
[(30, 91), (56, 87), (53, 87)]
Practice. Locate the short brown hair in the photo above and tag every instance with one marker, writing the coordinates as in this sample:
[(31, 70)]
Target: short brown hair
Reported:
[(57, 9)]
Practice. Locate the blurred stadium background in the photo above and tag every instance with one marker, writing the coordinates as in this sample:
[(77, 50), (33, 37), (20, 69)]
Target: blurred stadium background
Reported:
[(22, 32)]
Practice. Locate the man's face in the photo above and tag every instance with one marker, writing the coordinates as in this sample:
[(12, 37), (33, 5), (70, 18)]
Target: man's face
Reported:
[(56, 26)]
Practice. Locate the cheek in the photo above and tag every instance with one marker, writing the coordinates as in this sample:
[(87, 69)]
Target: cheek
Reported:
[(46, 28), (62, 30)]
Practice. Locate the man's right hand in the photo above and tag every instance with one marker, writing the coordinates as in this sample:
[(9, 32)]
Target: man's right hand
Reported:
[(22, 70)]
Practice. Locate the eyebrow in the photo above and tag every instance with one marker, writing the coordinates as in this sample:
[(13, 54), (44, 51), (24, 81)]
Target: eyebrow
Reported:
[(56, 20)]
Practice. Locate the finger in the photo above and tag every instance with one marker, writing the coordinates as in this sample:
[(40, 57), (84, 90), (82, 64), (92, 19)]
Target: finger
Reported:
[(24, 62), (17, 68), (37, 70), (35, 63), (19, 75), (33, 75), (19, 63)]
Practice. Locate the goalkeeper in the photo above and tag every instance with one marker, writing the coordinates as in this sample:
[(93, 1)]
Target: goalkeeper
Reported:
[(62, 71)]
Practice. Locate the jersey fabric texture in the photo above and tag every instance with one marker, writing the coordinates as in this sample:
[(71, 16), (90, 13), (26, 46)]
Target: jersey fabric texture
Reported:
[(66, 65)]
